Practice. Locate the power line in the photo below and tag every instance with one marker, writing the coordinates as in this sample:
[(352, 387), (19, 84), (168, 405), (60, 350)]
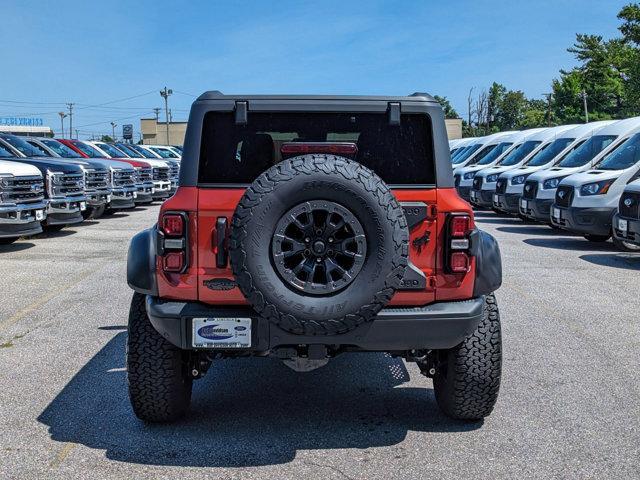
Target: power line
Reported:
[(116, 101), (117, 119)]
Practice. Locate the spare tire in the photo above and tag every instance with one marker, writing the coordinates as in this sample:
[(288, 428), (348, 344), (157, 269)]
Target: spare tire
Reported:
[(318, 244)]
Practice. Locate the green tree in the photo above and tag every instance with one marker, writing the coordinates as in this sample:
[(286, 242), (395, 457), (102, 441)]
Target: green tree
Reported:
[(449, 111), (106, 139)]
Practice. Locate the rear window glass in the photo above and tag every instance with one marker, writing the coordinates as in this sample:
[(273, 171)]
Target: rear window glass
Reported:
[(238, 154)]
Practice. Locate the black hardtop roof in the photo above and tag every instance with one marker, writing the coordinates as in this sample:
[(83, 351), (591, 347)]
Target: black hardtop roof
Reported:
[(414, 97)]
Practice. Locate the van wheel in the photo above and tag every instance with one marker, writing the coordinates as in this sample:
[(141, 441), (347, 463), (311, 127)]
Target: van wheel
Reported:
[(467, 378), (626, 246), (597, 238), (159, 384)]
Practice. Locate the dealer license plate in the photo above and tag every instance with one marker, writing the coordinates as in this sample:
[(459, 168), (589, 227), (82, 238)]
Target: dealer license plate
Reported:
[(556, 213), (221, 332), (473, 195), (495, 198), (135, 194), (623, 225), (39, 215), (83, 206), (524, 204)]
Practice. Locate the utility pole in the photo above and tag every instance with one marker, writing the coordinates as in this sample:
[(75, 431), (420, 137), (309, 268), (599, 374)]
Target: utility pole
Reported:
[(548, 95), (165, 94), (62, 115), (170, 116), (70, 106), (157, 112), (113, 130), (583, 95)]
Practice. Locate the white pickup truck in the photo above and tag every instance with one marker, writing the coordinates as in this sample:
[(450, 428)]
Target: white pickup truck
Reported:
[(22, 201)]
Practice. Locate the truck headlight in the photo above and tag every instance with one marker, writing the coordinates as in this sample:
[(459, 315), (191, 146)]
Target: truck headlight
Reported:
[(56, 177), (469, 175), (493, 178), (596, 188), (552, 183), (519, 180)]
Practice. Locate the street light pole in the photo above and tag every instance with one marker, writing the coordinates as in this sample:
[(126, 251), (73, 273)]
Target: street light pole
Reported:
[(165, 94), (113, 130), (583, 95), (62, 115)]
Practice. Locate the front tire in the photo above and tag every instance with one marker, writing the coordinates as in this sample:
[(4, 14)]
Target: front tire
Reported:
[(625, 246), (8, 241), (159, 383), (467, 378)]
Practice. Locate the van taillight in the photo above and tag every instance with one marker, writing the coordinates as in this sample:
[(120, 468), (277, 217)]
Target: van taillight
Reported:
[(458, 259), (173, 242)]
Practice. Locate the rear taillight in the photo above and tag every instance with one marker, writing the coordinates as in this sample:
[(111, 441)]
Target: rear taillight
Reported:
[(458, 258), (173, 242)]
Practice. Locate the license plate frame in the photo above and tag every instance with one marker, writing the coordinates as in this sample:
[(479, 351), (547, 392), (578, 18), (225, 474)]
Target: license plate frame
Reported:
[(221, 333), (496, 198), (39, 215), (524, 204), (557, 213), (83, 206)]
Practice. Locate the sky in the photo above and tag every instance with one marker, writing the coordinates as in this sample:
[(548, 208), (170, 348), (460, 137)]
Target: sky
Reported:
[(111, 58)]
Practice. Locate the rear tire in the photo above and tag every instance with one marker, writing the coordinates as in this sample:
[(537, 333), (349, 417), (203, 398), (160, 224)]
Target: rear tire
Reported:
[(625, 246), (159, 384), (597, 238), (467, 378)]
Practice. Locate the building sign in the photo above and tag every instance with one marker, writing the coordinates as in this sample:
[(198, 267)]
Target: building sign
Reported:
[(127, 132), (21, 122)]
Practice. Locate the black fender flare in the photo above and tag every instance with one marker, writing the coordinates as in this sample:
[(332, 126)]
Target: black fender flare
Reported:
[(141, 262), (484, 247)]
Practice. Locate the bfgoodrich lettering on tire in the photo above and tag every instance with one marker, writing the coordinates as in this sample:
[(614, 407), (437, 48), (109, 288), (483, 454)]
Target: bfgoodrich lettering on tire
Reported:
[(319, 244)]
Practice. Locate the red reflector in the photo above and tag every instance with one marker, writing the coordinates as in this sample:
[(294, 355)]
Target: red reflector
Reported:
[(460, 225), (460, 262), (173, 225), (301, 148), (173, 261)]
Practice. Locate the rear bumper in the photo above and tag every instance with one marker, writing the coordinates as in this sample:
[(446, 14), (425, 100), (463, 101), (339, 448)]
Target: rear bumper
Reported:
[(631, 234), (537, 209), (592, 221), (435, 326), (507, 202)]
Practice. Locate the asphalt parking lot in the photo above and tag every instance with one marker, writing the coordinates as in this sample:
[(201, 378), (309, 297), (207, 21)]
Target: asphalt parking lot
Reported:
[(568, 405)]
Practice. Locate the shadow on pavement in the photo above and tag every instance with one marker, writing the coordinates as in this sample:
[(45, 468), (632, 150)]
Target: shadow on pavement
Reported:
[(564, 243), (248, 412), (625, 261), (16, 247), (65, 232)]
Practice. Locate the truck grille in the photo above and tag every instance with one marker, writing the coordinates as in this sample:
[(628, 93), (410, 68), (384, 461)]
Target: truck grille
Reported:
[(24, 189), (501, 185), (96, 180), (564, 195), (161, 173), (145, 174), (124, 178), (174, 171), (530, 189), (70, 184), (477, 183), (630, 205)]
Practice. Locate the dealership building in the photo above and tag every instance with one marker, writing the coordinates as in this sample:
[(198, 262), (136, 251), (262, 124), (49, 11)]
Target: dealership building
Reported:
[(26, 126)]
